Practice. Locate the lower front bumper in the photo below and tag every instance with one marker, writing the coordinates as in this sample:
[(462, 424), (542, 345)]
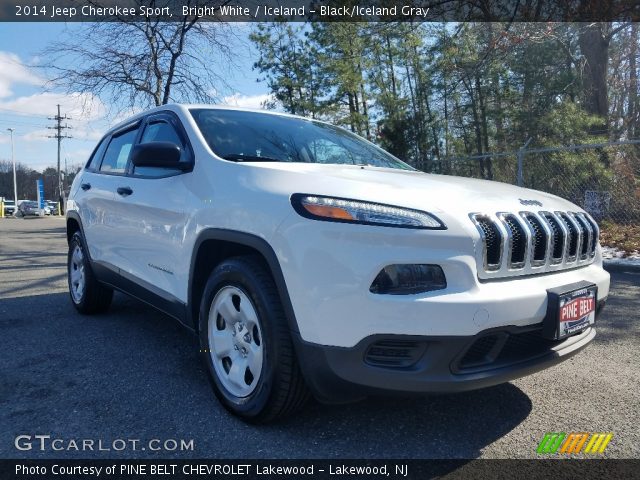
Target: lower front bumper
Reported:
[(420, 364)]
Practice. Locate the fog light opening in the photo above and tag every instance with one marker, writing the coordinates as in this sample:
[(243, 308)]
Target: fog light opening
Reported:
[(408, 279)]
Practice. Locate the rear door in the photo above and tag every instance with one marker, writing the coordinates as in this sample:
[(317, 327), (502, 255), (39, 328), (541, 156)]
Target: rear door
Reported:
[(101, 220), (92, 199)]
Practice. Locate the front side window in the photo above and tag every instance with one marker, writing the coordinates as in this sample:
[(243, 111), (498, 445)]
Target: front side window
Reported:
[(117, 154), (255, 137)]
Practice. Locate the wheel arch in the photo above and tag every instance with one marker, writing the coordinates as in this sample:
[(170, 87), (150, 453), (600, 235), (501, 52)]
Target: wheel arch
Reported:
[(74, 225), (213, 246)]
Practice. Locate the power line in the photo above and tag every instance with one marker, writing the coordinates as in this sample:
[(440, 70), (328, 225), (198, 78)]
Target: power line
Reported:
[(59, 136)]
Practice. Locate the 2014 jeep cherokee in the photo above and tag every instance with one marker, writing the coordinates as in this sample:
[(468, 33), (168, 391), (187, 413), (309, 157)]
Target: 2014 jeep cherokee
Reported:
[(309, 260)]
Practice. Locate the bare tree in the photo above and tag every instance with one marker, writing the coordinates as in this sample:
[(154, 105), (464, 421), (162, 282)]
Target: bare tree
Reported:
[(146, 62)]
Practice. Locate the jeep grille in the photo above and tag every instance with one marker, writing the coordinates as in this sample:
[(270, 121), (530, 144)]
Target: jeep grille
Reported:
[(534, 242)]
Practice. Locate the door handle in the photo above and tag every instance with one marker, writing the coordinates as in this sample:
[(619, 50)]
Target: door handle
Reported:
[(124, 191), (85, 186)]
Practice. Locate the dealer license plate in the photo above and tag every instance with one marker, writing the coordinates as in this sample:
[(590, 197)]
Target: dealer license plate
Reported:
[(571, 311)]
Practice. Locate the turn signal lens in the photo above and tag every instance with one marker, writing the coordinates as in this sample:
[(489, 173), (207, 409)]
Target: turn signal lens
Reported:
[(328, 212), (408, 279), (367, 213)]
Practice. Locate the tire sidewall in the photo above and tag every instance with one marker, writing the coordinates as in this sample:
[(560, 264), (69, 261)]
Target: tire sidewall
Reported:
[(76, 240), (236, 273)]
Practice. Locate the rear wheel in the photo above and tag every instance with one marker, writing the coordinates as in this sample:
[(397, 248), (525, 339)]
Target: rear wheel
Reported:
[(246, 343), (87, 294)]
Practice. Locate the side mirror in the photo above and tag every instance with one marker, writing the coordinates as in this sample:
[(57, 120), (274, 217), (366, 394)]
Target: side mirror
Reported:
[(158, 154)]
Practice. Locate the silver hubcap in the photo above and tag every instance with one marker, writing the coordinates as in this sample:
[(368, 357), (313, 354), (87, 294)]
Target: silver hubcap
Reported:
[(235, 339), (76, 273)]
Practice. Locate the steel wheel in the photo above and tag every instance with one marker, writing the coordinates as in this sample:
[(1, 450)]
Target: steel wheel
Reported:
[(77, 275), (235, 338)]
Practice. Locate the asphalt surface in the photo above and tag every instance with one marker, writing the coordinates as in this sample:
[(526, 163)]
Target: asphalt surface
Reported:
[(134, 374)]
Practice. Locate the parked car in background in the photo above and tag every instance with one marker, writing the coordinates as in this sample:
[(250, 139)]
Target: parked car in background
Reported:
[(29, 208), (52, 207), (9, 208)]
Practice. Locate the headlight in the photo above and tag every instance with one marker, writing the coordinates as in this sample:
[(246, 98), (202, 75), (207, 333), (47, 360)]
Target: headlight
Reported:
[(367, 213)]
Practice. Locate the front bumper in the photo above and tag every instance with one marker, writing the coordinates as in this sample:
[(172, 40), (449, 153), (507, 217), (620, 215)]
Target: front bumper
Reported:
[(328, 270), (380, 364)]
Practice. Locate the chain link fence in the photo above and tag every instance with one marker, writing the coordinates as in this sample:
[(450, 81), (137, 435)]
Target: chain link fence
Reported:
[(604, 178)]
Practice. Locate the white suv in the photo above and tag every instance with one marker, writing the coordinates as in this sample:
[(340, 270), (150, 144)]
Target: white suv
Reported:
[(307, 259)]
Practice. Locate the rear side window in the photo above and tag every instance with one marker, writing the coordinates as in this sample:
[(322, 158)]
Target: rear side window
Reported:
[(117, 154), (94, 161)]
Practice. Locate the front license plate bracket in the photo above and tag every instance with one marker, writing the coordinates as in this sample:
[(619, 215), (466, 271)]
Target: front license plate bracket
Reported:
[(578, 298)]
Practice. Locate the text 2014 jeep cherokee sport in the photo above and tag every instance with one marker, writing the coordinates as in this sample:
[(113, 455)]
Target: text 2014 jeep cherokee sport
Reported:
[(309, 260)]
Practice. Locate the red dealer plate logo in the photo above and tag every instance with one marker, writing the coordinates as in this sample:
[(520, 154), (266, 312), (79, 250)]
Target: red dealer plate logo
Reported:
[(577, 309)]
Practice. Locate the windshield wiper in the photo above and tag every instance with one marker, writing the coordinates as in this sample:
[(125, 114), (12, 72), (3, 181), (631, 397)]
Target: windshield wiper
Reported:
[(237, 157)]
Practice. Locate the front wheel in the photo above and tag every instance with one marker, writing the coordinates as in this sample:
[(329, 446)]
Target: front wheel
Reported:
[(246, 343)]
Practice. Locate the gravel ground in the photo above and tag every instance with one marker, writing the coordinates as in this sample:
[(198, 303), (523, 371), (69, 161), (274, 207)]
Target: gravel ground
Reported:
[(134, 373)]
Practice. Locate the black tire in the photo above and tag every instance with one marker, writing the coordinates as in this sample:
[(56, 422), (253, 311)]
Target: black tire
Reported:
[(280, 389), (95, 297)]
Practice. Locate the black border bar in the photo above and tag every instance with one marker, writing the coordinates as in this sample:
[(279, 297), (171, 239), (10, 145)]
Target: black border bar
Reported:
[(320, 10), (195, 469)]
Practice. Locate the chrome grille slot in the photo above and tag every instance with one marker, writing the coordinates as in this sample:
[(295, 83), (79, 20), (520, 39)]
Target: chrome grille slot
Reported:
[(518, 240), (558, 237), (596, 235), (572, 236), (584, 236), (539, 239), (533, 242), (492, 240), (588, 246)]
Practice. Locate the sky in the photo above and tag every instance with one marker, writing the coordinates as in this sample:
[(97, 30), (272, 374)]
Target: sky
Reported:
[(26, 100)]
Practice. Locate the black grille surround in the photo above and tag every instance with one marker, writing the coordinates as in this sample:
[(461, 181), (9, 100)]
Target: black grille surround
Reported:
[(527, 243)]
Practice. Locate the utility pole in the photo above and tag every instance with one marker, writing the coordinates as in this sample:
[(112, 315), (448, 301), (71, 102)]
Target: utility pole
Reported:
[(59, 136), (15, 183)]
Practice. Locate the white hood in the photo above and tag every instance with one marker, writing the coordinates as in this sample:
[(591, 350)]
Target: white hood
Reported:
[(412, 189)]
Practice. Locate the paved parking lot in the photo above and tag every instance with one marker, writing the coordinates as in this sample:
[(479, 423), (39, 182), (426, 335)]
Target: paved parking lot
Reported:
[(134, 373)]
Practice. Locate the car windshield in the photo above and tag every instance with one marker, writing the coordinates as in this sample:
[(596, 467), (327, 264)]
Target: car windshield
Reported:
[(257, 137)]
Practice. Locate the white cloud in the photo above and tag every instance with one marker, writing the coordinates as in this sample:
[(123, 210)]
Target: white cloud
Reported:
[(14, 71), (80, 106), (37, 135), (247, 101)]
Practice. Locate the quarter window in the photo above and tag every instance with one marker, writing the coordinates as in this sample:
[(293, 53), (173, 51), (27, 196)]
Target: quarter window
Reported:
[(94, 161)]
